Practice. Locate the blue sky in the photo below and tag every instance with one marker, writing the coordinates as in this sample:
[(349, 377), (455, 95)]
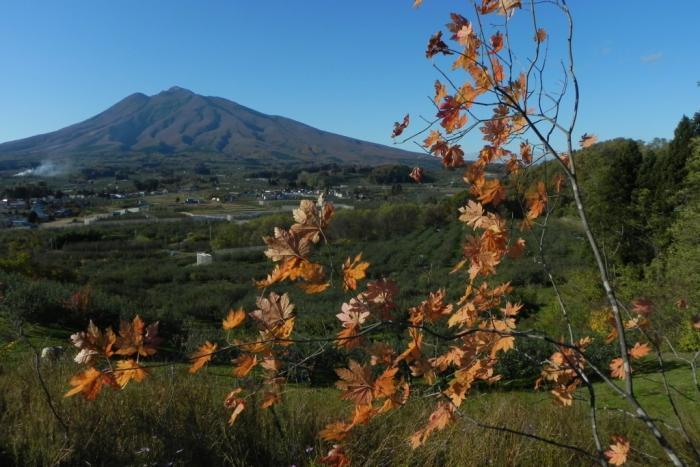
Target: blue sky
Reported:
[(348, 67)]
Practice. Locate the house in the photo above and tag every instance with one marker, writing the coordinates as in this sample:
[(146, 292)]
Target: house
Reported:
[(204, 258)]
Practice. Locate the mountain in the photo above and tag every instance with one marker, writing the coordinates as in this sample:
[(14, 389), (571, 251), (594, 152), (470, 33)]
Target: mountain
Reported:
[(178, 121)]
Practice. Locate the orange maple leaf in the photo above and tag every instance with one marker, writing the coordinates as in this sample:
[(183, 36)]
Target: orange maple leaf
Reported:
[(233, 401), (127, 370), (353, 271), (438, 420), (233, 319), (618, 451), (244, 364), (587, 140), (639, 350), (202, 356), (491, 192), (89, 383), (617, 368)]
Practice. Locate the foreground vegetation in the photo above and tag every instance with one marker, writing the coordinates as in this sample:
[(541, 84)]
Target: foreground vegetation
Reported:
[(178, 419)]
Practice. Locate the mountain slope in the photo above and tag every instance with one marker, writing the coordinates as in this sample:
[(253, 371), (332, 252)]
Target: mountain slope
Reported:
[(180, 121)]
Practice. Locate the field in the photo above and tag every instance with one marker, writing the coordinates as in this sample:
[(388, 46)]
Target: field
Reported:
[(178, 419)]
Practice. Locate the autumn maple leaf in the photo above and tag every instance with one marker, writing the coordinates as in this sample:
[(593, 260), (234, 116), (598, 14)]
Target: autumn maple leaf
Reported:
[(496, 42), (491, 192), (379, 295), (617, 368), (93, 343), (437, 46), (440, 92), (450, 114), (89, 383), (431, 309), (352, 316), (233, 401), (285, 244), (356, 382), (416, 174), (433, 137), (311, 219), (137, 338), (399, 127), (336, 456), (639, 350), (526, 153), (438, 420), (202, 356), (233, 319), (540, 35), (243, 365), (274, 310), (127, 370), (642, 306), (517, 248), (536, 201), (353, 271), (618, 451), (587, 140)]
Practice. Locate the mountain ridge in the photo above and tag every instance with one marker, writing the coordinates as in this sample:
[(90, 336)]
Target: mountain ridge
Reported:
[(177, 121)]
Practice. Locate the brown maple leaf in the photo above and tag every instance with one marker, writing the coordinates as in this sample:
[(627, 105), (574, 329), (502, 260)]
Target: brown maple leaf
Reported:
[(137, 338), (540, 35), (416, 174), (273, 311), (356, 382), (93, 343), (399, 127), (336, 457), (437, 46)]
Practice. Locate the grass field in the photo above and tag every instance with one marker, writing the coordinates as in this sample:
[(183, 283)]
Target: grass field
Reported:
[(178, 419)]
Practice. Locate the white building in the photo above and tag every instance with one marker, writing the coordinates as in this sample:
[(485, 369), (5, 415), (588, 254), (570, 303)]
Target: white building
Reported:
[(204, 258)]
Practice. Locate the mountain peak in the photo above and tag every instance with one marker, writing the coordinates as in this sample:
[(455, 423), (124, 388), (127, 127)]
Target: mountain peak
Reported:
[(178, 89), (176, 121)]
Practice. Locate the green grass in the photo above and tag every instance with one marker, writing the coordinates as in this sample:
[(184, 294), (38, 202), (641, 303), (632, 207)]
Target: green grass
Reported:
[(179, 418)]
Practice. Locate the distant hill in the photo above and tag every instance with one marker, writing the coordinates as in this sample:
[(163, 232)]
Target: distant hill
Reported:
[(179, 121)]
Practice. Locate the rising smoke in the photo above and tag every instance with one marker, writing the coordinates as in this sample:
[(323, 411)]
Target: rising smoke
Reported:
[(45, 169)]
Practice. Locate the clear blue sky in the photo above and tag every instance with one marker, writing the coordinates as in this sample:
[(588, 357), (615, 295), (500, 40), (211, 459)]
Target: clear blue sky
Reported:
[(352, 67)]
